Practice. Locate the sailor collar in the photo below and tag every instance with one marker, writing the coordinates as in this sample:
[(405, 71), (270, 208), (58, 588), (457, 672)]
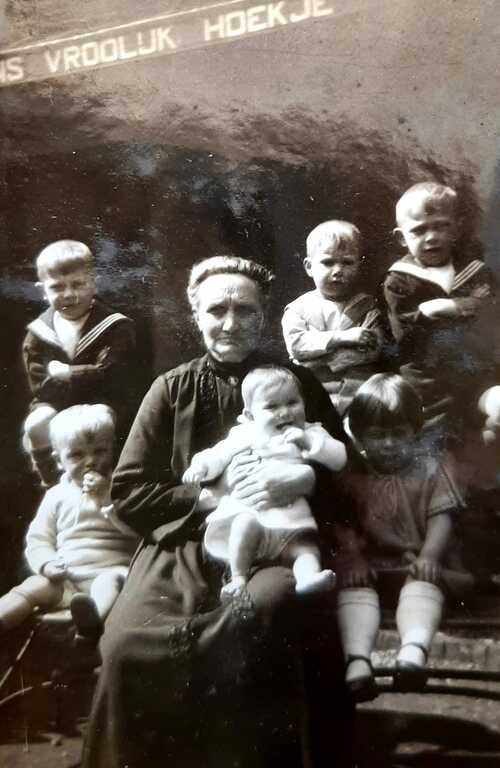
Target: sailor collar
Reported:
[(43, 328), (440, 279)]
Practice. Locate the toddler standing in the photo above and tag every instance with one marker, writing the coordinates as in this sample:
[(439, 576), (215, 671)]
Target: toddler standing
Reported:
[(404, 502), (334, 329), (77, 351), (78, 549), (272, 427)]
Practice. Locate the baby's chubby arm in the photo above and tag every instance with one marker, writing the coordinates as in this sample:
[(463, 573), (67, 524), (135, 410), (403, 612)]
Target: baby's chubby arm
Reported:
[(209, 464)]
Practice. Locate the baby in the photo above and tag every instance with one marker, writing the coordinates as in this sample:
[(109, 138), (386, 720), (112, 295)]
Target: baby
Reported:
[(272, 426), (77, 351), (75, 545), (433, 306), (404, 502), (334, 329)]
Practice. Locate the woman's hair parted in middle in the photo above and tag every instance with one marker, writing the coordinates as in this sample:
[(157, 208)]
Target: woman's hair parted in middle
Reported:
[(227, 265), (385, 400)]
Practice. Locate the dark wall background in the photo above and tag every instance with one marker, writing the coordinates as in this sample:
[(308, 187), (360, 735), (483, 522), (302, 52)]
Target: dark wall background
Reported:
[(242, 147)]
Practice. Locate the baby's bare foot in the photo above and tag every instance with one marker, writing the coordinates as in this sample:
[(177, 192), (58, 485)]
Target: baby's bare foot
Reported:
[(323, 581)]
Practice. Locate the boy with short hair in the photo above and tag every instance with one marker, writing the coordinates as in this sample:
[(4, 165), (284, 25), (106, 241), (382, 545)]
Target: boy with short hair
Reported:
[(433, 306), (77, 351), (77, 548), (273, 427), (335, 329)]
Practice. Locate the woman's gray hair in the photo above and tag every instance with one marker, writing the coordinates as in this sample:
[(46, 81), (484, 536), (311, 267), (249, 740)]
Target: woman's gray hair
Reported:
[(227, 265)]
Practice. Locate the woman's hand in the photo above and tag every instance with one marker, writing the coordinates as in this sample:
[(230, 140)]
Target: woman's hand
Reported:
[(269, 484)]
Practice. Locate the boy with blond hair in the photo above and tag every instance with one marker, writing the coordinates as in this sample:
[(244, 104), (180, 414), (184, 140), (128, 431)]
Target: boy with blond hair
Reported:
[(434, 305), (77, 548), (77, 351), (334, 329)]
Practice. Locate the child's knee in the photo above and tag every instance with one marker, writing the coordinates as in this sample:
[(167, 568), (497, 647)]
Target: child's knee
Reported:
[(40, 592)]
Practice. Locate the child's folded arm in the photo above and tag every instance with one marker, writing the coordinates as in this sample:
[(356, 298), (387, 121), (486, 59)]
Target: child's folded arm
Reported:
[(302, 341), (112, 359)]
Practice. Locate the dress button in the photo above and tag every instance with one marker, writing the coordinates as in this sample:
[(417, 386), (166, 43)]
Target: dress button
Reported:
[(233, 381)]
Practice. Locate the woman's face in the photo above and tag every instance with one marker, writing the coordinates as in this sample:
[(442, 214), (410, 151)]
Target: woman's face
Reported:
[(229, 316)]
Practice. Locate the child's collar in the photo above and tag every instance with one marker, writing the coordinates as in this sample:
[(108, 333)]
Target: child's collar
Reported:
[(441, 276)]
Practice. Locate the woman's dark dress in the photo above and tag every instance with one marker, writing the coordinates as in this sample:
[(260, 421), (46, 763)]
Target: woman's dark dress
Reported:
[(185, 680)]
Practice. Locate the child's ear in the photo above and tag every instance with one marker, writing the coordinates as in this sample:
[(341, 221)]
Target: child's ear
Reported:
[(398, 234), (41, 288), (308, 266), (57, 460)]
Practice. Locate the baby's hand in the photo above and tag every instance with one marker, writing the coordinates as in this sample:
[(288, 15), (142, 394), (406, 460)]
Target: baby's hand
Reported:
[(196, 473), (95, 484), (55, 570), (59, 370), (297, 436), (489, 405)]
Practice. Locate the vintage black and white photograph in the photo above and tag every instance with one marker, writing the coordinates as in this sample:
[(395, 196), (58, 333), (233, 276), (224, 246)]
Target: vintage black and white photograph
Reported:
[(250, 368)]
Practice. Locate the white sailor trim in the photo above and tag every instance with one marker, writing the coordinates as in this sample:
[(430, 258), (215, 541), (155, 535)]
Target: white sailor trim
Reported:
[(97, 331), (467, 273), (421, 273), (39, 328)]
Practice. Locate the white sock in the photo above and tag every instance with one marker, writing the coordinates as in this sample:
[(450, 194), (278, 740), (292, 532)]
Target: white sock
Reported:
[(418, 616), (358, 616)]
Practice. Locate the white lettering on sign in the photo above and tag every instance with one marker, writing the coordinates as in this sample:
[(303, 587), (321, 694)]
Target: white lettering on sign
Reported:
[(152, 37), (11, 70), (110, 50), (260, 17)]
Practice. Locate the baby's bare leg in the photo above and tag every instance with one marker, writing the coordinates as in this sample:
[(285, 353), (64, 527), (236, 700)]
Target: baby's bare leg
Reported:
[(21, 601), (306, 564), (244, 539)]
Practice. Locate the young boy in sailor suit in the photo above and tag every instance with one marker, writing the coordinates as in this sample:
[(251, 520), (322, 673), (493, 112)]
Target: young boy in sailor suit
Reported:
[(77, 351), (434, 306)]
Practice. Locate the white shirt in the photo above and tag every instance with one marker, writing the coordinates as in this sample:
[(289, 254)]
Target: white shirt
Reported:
[(68, 332)]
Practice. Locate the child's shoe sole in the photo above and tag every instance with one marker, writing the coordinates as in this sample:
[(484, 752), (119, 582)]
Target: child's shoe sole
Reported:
[(84, 613)]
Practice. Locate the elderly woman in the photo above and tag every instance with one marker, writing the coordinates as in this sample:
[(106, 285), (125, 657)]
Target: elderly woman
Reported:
[(187, 681)]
